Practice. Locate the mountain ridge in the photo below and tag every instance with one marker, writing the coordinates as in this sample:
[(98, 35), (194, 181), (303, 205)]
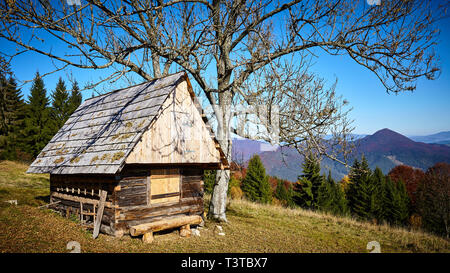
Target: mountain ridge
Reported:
[(385, 149), (440, 137)]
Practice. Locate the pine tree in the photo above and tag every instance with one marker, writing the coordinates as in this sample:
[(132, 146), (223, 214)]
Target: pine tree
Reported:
[(311, 173), (341, 207), (325, 195), (285, 195), (75, 98), (388, 201), (331, 197), (255, 184), (61, 108), (281, 192), (290, 194), (379, 191), (37, 128), (360, 189), (353, 178), (401, 203), (12, 112), (303, 196)]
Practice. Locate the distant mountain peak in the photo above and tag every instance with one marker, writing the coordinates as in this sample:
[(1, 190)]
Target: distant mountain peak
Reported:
[(388, 134), (386, 131)]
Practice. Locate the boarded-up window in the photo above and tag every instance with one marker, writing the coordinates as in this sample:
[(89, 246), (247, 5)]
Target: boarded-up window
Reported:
[(164, 186)]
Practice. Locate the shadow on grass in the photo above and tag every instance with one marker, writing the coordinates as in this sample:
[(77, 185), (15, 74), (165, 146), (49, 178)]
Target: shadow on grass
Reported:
[(238, 213), (43, 198)]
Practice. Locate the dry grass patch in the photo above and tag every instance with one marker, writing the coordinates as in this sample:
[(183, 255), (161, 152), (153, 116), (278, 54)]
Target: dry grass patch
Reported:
[(13, 174)]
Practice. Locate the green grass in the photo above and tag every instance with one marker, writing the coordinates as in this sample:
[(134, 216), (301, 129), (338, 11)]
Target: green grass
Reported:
[(27, 189), (251, 228)]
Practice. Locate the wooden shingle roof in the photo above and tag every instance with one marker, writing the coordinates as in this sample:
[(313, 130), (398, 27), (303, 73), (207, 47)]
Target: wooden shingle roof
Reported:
[(103, 130)]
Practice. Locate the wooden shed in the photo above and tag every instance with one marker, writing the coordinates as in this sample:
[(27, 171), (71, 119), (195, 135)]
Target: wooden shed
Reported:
[(131, 161)]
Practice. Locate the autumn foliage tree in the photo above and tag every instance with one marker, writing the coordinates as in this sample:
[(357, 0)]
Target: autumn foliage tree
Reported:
[(433, 199), (284, 192), (410, 177)]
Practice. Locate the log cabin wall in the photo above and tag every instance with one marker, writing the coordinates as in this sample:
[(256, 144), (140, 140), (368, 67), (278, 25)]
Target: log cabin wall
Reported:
[(129, 199), (189, 201), (72, 194)]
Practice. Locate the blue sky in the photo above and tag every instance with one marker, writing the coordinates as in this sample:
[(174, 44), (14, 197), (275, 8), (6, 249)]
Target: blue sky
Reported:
[(424, 111)]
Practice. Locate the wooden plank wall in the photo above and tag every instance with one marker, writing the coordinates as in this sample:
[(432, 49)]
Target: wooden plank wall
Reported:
[(128, 197), (190, 203), (69, 190), (179, 135), (192, 183), (83, 185), (132, 191)]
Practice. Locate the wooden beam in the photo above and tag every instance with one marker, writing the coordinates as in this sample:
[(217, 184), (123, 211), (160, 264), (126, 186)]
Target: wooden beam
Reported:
[(98, 219), (165, 224), (148, 237), (50, 204), (79, 199), (185, 231)]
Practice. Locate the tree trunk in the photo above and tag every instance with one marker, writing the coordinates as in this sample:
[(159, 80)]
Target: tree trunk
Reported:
[(218, 202), (219, 197)]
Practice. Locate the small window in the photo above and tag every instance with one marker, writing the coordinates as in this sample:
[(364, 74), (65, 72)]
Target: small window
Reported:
[(164, 186)]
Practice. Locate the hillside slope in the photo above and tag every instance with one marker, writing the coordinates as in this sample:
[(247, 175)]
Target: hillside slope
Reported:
[(251, 228), (387, 149)]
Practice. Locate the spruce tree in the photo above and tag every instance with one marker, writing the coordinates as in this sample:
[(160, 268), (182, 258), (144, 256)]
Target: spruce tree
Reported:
[(353, 178), (37, 128), (397, 202), (341, 207), (12, 113), (303, 196), (281, 192), (311, 173), (61, 109), (4, 106), (331, 197), (401, 203), (290, 194), (388, 201), (325, 195), (285, 195), (378, 181), (75, 98), (360, 189), (255, 184)]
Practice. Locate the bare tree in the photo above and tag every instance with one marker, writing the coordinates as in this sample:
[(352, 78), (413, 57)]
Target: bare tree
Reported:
[(238, 41)]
